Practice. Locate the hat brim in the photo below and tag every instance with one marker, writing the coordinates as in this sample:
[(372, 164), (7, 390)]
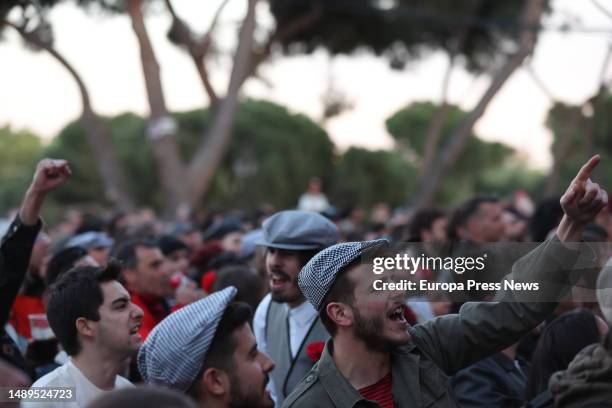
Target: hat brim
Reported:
[(294, 247)]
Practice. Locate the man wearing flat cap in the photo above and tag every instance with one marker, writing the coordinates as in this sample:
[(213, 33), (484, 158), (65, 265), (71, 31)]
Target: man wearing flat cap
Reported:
[(375, 359), (285, 325), (207, 350)]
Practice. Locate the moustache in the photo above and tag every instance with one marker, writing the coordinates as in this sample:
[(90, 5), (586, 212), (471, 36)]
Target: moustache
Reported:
[(280, 273)]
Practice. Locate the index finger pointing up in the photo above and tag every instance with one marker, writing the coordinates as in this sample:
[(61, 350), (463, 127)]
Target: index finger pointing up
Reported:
[(586, 170)]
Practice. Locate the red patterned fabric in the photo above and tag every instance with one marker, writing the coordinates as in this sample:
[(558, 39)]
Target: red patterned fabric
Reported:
[(380, 392)]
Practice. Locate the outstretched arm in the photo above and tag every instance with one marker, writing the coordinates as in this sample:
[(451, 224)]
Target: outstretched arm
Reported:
[(481, 328)]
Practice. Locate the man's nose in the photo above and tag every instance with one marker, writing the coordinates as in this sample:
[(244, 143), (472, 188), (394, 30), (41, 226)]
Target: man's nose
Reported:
[(137, 312), (268, 364)]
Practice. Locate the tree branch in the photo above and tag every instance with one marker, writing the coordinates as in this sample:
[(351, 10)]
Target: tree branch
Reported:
[(96, 131), (460, 136), (210, 153), (161, 131), (197, 49), (296, 26)]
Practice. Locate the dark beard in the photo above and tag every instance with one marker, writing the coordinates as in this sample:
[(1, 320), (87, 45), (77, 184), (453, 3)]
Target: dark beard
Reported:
[(369, 331), (240, 399), (282, 298)]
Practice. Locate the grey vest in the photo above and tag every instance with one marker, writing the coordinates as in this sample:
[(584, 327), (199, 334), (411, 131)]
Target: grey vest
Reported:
[(288, 371)]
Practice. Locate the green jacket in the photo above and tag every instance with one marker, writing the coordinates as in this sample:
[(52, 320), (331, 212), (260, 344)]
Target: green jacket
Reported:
[(441, 347)]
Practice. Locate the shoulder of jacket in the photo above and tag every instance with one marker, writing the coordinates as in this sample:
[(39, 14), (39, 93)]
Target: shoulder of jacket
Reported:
[(300, 397)]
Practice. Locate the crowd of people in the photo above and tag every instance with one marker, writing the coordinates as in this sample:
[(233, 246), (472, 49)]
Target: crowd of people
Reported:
[(277, 308)]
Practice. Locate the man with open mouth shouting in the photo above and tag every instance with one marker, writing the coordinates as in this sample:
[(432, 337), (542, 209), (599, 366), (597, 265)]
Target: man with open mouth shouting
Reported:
[(375, 359), (285, 324)]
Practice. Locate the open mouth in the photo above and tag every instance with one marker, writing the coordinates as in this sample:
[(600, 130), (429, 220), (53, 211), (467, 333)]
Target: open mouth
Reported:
[(134, 329), (278, 280), (397, 314)]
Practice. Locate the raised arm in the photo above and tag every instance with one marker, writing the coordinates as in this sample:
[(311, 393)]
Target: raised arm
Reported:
[(17, 243), (481, 328)]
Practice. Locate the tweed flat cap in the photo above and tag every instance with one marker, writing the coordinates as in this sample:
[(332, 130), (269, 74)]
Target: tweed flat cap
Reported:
[(298, 230), (173, 354), (319, 274)]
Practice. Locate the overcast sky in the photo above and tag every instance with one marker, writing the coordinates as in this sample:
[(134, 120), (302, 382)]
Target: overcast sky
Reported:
[(36, 93)]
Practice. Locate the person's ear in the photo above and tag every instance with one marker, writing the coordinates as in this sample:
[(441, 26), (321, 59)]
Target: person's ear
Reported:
[(215, 382), (340, 313), (84, 327), (464, 232), (129, 275)]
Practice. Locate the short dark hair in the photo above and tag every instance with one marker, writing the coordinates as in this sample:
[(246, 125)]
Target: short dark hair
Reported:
[(77, 294), (62, 262), (125, 252), (465, 211), (545, 218), (142, 396), (343, 290), (423, 220), (557, 346), (221, 350), (169, 244), (306, 255), (246, 280)]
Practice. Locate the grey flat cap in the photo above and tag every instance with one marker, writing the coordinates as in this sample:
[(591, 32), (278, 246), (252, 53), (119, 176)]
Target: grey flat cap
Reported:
[(298, 230), (319, 274), (173, 354)]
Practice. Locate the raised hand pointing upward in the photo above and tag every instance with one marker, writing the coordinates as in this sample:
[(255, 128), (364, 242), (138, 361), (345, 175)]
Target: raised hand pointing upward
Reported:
[(581, 203)]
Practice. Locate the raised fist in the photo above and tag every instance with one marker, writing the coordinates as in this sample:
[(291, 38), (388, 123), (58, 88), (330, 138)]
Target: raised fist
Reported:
[(49, 174)]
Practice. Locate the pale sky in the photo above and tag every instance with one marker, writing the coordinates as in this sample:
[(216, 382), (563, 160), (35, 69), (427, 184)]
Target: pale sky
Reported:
[(36, 93)]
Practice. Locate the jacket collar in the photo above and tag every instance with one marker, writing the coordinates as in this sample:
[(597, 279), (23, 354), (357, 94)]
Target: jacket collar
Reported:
[(405, 377)]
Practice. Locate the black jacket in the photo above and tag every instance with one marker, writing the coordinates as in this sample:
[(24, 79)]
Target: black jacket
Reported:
[(15, 252), (495, 381)]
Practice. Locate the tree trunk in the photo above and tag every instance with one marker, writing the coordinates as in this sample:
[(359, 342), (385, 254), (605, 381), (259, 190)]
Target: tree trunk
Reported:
[(162, 127), (437, 123), (96, 131), (210, 153), (432, 179)]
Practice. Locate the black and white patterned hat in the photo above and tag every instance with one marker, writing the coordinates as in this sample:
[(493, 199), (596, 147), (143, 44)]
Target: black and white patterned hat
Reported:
[(173, 354), (319, 274)]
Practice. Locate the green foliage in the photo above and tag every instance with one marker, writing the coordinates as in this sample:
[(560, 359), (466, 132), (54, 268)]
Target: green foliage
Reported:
[(19, 153), (272, 155), (128, 136), (588, 134), (366, 177), (482, 167), (402, 30)]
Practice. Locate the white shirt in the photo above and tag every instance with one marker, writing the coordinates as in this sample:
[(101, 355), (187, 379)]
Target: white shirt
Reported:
[(69, 375), (313, 202), (300, 320)]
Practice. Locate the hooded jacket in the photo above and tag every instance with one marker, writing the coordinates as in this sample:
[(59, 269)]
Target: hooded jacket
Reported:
[(588, 378)]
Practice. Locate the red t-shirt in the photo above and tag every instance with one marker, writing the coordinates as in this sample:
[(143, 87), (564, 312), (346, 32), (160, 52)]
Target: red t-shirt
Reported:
[(154, 311), (22, 308), (380, 392)]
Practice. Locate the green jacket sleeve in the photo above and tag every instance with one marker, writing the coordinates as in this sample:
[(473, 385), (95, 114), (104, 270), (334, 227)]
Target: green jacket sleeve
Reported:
[(482, 328)]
